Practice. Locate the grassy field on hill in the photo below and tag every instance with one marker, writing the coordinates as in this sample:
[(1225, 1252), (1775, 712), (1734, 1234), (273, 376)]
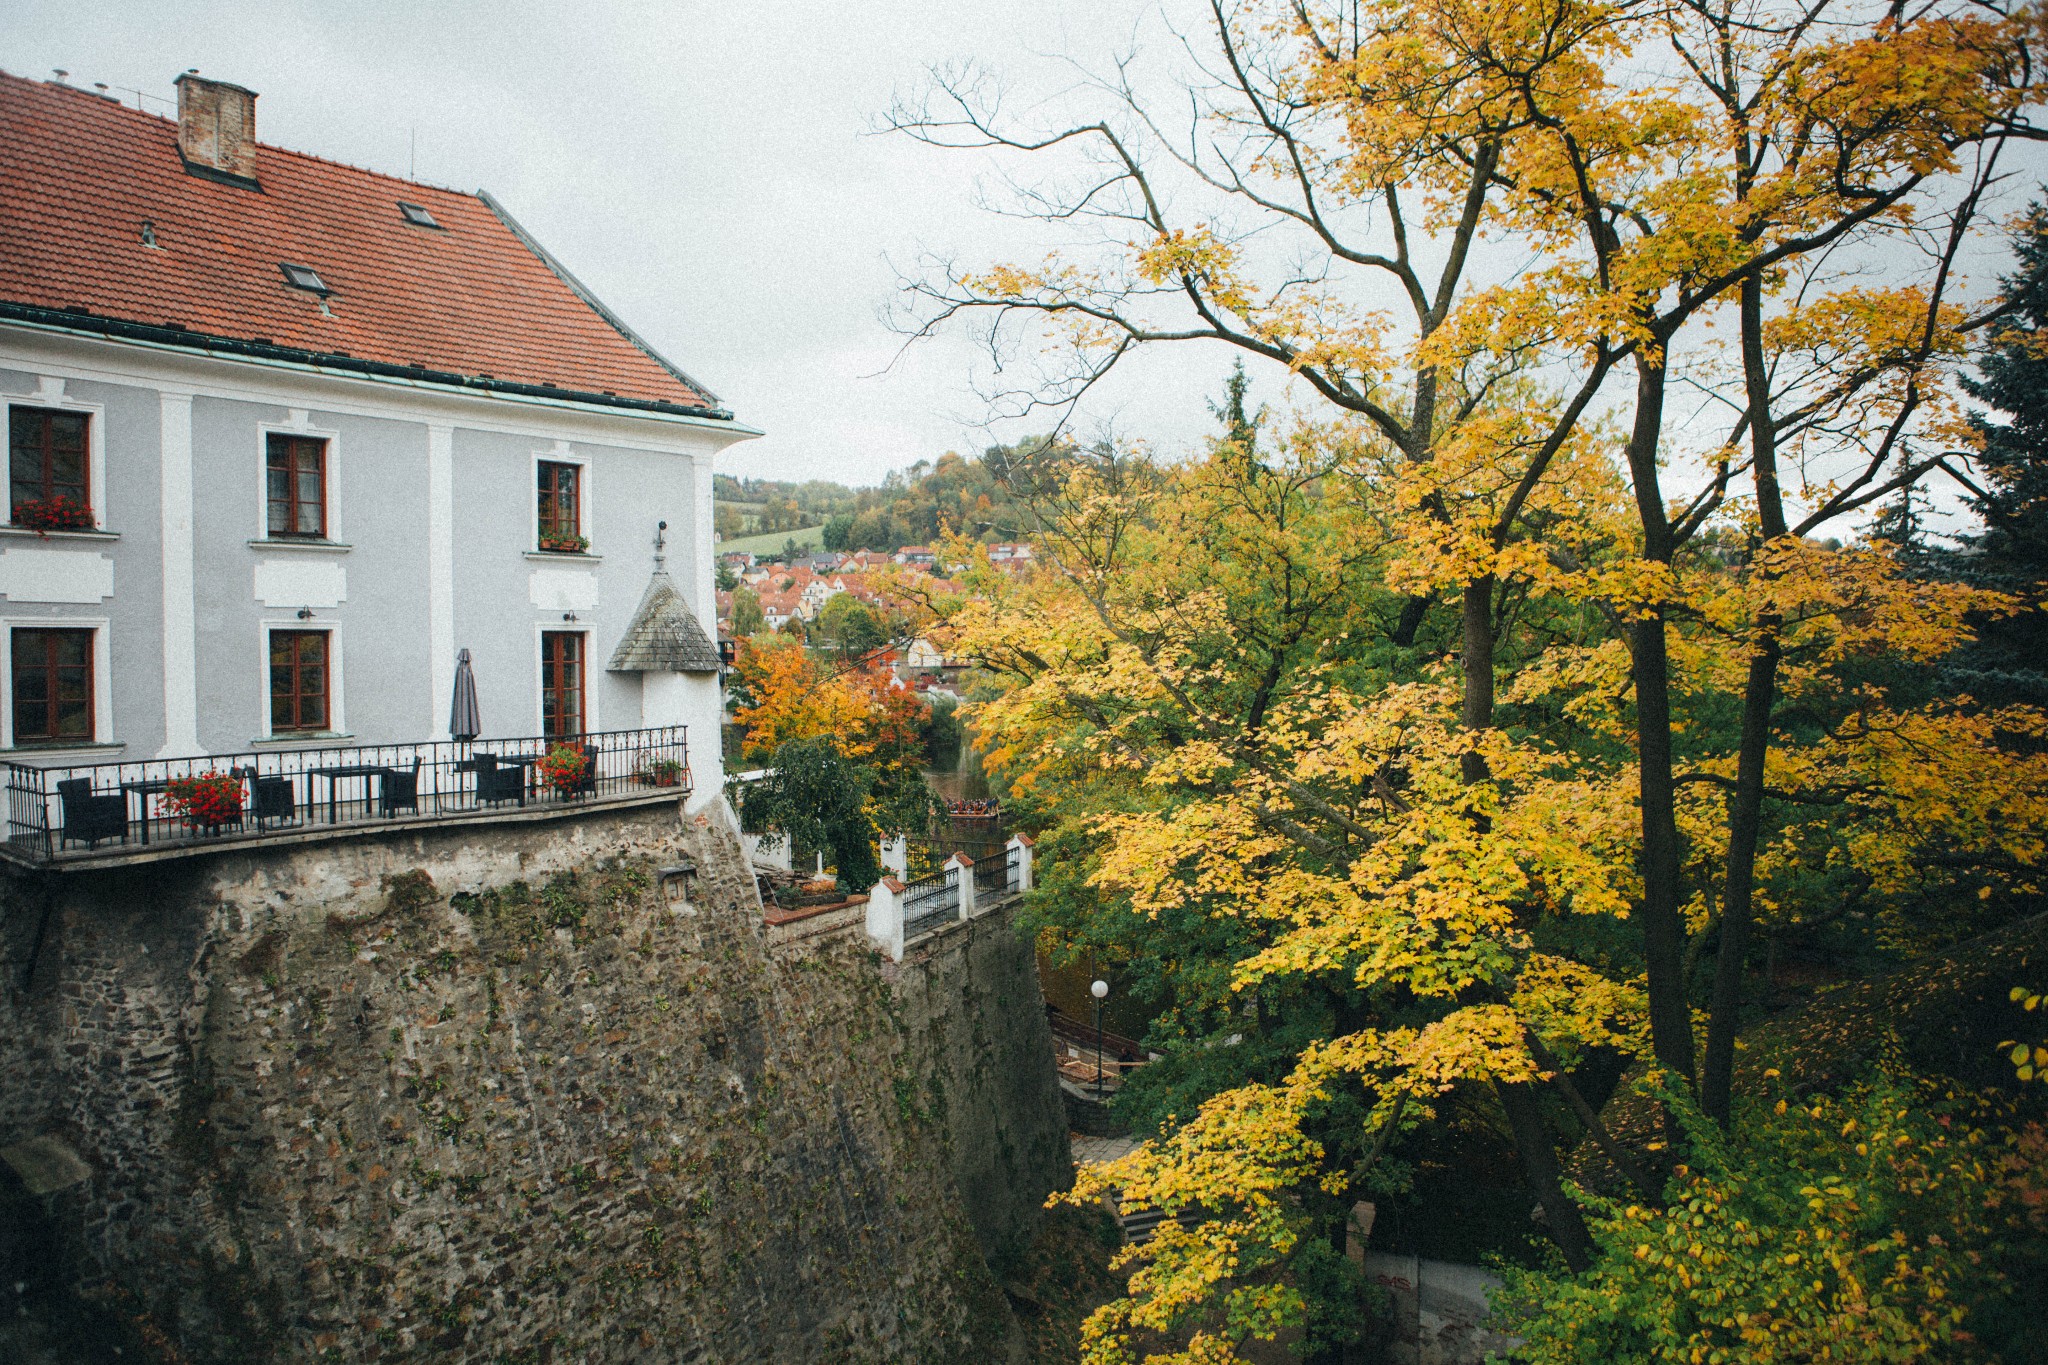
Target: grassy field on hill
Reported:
[(771, 542)]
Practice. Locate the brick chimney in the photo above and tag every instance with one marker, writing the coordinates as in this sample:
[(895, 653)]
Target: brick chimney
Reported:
[(217, 128)]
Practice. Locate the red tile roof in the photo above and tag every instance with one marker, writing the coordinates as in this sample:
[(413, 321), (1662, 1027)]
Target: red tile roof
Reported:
[(478, 303)]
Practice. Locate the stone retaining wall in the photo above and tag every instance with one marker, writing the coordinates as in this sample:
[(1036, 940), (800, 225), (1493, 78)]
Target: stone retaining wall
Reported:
[(480, 1095), (976, 1021)]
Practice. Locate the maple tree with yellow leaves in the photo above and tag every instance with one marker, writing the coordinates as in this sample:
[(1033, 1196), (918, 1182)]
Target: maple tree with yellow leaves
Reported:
[(1436, 722)]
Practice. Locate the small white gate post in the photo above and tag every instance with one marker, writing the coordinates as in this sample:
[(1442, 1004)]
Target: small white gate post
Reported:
[(896, 856), (1020, 847), (960, 871), (885, 917)]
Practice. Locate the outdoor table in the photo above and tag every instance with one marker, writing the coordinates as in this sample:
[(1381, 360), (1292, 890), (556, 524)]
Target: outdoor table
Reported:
[(458, 768), (145, 789), (341, 772), (520, 761), (524, 762)]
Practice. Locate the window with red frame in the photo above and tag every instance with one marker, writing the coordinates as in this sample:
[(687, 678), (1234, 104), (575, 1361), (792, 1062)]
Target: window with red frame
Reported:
[(298, 681), (52, 686), (296, 486), (561, 506), (46, 461), (561, 683)]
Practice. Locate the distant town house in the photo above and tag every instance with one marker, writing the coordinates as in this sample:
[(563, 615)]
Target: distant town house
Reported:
[(285, 436), (921, 654), (1009, 555), (778, 609), (856, 584)]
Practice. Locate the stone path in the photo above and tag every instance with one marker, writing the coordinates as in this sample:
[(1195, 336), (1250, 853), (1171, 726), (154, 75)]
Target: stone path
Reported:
[(1138, 1224), (1092, 1149)]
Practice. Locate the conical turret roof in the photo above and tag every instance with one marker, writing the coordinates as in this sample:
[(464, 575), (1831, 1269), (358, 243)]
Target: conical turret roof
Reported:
[(665, 635)]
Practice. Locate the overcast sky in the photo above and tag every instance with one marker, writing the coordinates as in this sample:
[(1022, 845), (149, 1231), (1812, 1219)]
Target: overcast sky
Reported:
[(711, 172), (706, 168)]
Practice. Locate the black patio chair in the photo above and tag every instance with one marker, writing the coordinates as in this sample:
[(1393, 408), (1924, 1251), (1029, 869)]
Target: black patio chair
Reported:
[(586, 785), (89, 816), (496, 784), (399, 789), (270, 797)]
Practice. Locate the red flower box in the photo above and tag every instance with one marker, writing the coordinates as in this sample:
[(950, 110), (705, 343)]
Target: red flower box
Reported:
[(564, 768), (209, 800), (59, 513)]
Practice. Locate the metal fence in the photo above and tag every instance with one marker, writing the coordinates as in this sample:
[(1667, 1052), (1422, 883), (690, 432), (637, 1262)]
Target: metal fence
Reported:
[(994, 873), (929, 854), (929, 902), (64, 810)]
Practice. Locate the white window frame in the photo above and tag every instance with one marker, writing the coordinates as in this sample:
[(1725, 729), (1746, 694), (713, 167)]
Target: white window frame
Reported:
[(590, 673), (103, 732), (298, 422), (337, 712), (560, 453), (50, 394)]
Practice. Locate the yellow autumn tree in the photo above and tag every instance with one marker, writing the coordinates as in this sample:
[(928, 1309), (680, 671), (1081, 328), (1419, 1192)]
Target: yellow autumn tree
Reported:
[(788, 696), (1364, 817)]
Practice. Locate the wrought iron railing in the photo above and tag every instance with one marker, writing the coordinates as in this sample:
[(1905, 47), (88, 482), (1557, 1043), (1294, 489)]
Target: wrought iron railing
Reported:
[(992, 874), (60, 810), (929, 853), (929, 902)]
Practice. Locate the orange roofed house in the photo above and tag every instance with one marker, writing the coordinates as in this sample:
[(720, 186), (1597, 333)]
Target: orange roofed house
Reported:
[(295, 448)]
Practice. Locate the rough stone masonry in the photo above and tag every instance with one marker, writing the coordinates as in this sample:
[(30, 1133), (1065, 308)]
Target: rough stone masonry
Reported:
[(487, 1093)]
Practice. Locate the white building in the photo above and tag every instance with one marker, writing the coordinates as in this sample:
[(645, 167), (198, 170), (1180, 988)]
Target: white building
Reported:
[(287, 436), (923, 654)]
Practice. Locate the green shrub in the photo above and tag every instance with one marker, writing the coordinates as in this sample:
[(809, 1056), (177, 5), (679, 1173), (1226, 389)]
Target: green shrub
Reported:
[(1880, 1225)]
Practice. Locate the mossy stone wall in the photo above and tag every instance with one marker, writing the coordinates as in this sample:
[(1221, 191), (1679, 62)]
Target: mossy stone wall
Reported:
[(487, 1094)]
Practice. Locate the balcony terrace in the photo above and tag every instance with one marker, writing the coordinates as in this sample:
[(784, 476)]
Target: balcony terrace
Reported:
[(65, 817)]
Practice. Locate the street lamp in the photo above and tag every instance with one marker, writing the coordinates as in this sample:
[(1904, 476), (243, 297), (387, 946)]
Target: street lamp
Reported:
[(1100, 990)]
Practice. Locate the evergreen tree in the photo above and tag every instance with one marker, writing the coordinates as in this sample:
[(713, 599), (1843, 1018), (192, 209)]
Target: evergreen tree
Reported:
[(1240, 428), (2010, 553)]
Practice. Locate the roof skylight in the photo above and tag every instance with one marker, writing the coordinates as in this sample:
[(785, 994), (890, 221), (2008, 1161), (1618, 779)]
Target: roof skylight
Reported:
[(303, 277), (417, 215)]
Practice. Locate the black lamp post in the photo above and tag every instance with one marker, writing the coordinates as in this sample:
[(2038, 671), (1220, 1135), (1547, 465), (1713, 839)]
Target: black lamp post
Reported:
[(1100, 990)]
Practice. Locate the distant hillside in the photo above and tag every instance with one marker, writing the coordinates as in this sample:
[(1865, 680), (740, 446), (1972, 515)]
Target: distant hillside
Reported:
[(915, 506)]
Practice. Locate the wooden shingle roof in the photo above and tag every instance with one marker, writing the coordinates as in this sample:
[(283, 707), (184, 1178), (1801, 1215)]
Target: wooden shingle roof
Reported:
[(664, 635)]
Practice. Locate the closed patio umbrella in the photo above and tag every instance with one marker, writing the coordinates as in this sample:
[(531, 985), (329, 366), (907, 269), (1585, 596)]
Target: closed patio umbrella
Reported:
[(464, 721)]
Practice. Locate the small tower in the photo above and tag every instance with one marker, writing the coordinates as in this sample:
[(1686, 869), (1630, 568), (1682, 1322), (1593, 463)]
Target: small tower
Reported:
[(678, 666)]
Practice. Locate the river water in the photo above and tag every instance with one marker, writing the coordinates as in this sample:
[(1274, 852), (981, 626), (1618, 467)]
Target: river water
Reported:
[(966, 782)]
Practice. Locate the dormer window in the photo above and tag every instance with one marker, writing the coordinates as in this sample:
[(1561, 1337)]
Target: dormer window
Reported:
[(304, 277), (417, 215)]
